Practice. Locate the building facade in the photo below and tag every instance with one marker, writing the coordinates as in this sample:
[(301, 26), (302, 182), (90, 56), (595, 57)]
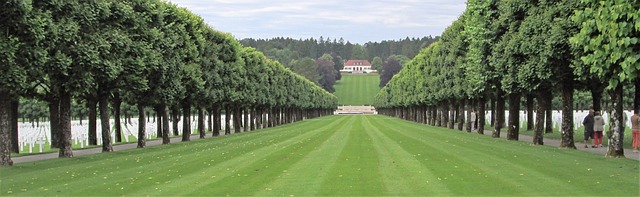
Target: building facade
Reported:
[(357, 66)]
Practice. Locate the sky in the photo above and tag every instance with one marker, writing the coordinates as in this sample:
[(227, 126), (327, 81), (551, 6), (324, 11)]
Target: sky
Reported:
[(357, 21)]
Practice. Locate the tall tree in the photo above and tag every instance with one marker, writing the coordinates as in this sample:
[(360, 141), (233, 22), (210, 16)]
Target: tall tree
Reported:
[(307, 68), (376, 64), (610, 37), (13, 76), (390, 68), (327, 72)]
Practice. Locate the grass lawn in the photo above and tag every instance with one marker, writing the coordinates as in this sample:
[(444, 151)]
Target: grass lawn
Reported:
[(357, 89), (336, 155)]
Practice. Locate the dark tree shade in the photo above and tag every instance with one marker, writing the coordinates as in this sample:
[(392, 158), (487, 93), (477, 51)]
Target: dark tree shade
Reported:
[(390, 68)]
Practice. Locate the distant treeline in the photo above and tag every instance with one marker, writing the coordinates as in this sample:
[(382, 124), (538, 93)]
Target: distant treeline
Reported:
[(285, 50)]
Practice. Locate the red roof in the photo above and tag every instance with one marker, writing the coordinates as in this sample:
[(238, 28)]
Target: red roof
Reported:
[(357, 63)]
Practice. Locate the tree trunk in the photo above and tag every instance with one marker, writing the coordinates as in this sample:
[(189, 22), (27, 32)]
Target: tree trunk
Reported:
[(481, 115), (159, 124), (166, 133), (175, 118), (142, 142), (567, 115), (469, 120), (530, 112), (15, 145), (253, 118), (237, 119), (93, 130), (245, 123), (210, 118), (492, 120), (201, 123), (259, 115), (279, 116), (460, 114), (452, 116), (538, 138), (227, 120), (548, 98), (116, 107), (66, 151), (186, 122), (499, 115), (103, 104), (272, 117), (616, 130), (54, 119), (433, 116), (217, 122), (5, 121), (513, 133)]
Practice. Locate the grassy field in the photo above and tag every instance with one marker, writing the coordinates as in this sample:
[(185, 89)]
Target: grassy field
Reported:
[(357, 89), (337, 155)]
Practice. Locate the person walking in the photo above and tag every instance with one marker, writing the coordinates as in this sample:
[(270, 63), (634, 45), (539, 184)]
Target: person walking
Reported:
[(635, 131), (598, 127), (588, 128)]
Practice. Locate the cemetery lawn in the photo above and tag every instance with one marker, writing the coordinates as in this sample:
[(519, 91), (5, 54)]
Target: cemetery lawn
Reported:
[(336, 155), (357, 89)]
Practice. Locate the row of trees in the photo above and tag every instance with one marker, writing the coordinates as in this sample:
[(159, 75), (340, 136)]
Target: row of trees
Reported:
[(507, 50), (150, 54)]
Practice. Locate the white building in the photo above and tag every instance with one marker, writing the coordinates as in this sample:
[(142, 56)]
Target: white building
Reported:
[(357, 66)]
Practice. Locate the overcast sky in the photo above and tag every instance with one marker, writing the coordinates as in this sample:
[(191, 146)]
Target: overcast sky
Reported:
[(358, 21)]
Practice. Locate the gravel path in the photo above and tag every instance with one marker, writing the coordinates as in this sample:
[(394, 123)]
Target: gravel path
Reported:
[(525, 138)]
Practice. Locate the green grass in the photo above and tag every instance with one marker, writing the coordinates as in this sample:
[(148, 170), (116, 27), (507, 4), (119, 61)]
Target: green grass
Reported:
[(357, 89), (336, 155)]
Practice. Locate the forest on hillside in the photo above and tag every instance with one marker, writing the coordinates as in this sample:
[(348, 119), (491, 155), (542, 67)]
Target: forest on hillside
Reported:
[(286, 49)]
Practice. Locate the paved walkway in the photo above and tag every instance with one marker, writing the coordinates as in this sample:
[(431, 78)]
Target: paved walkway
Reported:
[(525, 138)]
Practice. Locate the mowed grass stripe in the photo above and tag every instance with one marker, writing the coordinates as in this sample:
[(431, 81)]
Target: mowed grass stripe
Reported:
[(401, 172), (306, 176), (508, 167), (356, 171), (253, 178), (357, 89), (247, 174), (457, 169)]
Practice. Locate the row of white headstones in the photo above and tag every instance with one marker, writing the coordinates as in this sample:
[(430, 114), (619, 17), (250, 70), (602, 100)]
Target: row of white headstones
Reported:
[(31, 136), (578, 117)]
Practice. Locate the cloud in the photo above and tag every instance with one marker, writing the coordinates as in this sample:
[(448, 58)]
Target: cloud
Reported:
[(355, 20)]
